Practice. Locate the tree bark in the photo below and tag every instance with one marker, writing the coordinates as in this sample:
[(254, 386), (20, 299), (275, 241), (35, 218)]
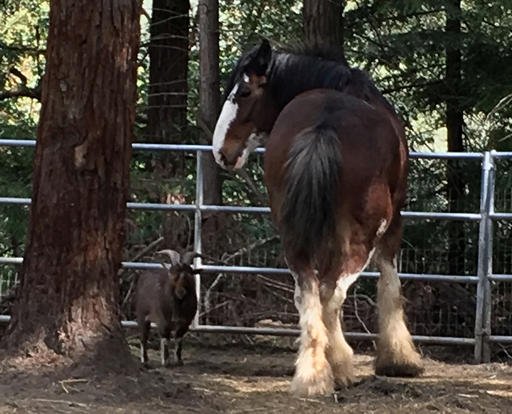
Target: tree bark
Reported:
[(67, 303), (209, 92), (323, 24), (454, 127), (168, 69)]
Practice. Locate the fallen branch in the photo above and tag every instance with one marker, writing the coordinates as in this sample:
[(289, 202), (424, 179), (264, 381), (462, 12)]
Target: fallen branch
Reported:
[(63, 383)]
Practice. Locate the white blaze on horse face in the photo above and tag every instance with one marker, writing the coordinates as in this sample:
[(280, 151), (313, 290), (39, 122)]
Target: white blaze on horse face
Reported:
[(226, 117)]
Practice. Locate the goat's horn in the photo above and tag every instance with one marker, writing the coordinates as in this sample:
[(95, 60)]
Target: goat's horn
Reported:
[(173, 255), (188, 257)]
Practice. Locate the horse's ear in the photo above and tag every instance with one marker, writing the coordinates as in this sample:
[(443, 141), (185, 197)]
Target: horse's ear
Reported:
[(260, 61)]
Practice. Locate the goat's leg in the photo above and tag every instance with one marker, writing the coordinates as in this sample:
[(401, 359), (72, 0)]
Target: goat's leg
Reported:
[(313, 373), (396, 353), (144, 334), (338, 352), (180, 332), (165, 334)]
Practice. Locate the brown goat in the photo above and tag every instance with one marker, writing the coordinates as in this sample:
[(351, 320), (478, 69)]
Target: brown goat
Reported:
[(166, 297)]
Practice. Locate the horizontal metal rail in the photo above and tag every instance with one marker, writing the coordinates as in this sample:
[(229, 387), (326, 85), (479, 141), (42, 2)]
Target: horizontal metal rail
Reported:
[(501, 216), (500, 339), (500, 278), (359, 336), (273, 270), (412, 215), (11, 142)]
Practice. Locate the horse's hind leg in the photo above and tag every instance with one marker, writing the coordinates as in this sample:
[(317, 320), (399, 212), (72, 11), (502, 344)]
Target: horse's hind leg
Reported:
[(396, 354), (313, 373), (338, 352)]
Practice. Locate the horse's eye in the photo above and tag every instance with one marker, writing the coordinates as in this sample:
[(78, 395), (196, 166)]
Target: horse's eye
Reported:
[(243, 91)]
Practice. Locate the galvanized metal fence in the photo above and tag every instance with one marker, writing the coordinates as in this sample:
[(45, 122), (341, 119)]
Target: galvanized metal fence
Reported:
[(483, 337)]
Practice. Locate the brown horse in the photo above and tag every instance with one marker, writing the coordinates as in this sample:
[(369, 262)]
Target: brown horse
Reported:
[(335, 169)]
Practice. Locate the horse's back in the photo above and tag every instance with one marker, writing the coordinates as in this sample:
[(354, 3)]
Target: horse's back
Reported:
[(368, 141)]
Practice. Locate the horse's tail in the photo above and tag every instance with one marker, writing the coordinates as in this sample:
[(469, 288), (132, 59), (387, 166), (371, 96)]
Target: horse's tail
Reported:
[(308, 213)]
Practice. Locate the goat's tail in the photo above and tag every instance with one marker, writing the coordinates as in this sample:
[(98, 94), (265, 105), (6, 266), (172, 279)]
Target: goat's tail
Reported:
[(308, 222)]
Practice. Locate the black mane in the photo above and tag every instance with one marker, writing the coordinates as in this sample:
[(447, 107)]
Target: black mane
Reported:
[(303, 68), (291, 74)]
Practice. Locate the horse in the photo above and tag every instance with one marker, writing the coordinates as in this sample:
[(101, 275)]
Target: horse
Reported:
[(335, 167)]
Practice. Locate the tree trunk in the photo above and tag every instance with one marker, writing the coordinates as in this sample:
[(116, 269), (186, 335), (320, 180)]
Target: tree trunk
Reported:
[(209, 109), (209, 102), (323, 24), (167, 103), (67, 303), (454, 127), (168, 68)]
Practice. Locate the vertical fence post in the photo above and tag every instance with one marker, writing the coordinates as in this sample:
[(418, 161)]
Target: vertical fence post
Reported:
[(487, 323), (198, 248), (484, 257)]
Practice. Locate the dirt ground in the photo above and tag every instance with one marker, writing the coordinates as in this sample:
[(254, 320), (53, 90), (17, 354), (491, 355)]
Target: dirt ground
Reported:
[(254, 379)]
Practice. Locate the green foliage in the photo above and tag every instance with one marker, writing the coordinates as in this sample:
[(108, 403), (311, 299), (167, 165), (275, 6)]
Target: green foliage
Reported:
[(22, 41), (23, 34), (402, 44)]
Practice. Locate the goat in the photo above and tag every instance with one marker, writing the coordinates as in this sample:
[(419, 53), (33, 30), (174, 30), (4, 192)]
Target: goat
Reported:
[(167, 297)]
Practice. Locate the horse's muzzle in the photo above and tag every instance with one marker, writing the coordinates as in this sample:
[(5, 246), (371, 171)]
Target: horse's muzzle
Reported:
[(230, 161)]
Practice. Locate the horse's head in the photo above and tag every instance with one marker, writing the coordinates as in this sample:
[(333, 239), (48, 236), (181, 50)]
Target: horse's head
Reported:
[(248, 112)]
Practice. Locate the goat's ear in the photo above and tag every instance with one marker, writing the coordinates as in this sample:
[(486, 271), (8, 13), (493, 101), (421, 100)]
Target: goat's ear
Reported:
[(260, 61), (172, 254), (180, 292)]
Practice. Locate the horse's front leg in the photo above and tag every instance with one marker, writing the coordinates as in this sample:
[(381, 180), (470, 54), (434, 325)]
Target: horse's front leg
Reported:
[(313, 374)]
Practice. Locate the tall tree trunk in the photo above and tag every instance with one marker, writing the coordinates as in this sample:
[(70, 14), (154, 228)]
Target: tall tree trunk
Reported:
[(454, 125), (67, 303), (323, 24), (209, 109), (167, 102), (168, 68), (209, 100)]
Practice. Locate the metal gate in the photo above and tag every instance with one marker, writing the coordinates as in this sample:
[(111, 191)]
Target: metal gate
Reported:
[(486, 215)]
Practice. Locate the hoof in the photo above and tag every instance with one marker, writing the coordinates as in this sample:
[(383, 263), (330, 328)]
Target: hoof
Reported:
[(320, 384), (399, 370), (343, 375), (343, 383)]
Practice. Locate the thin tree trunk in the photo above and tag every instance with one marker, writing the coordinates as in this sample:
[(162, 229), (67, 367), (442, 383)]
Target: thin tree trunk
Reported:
[(167, 103), (323, 24), (209, 109), (67, 303), (209, 97), (168, 68), (454, 126)]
